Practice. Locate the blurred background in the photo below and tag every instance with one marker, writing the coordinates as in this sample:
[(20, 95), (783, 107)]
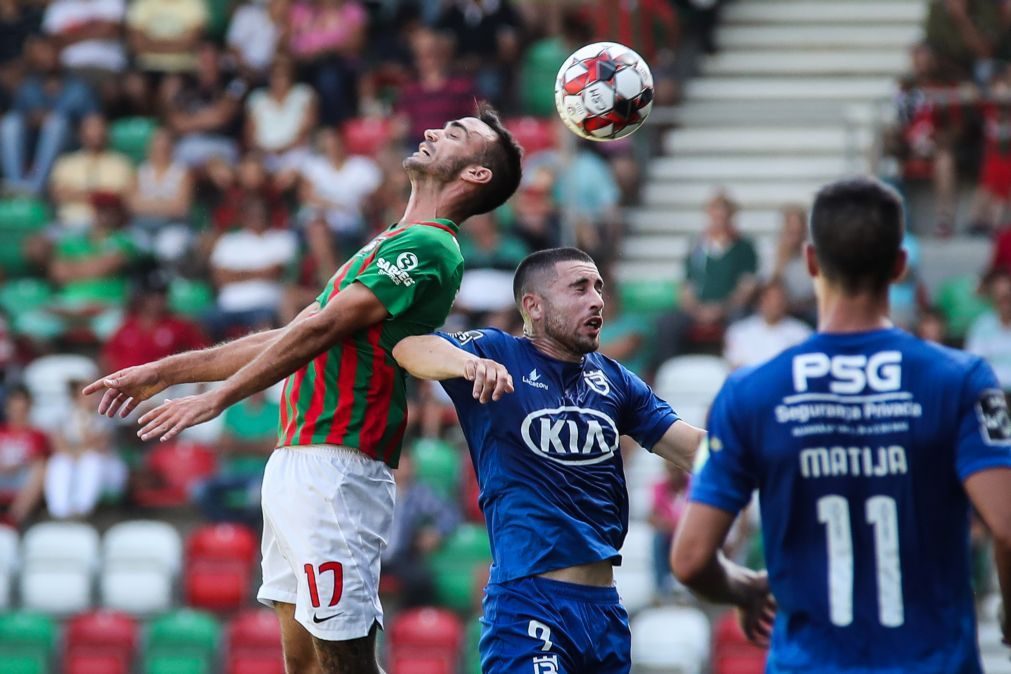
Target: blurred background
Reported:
[(178, 172)]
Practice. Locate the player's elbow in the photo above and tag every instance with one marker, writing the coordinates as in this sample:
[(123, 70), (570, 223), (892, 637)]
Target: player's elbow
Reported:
[(1000, 531), (405, 354), (688, 563)]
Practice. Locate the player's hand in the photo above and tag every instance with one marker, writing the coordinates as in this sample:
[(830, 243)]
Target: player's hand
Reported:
[(173, 416), (127, 388), (757, 608), (491, 380)]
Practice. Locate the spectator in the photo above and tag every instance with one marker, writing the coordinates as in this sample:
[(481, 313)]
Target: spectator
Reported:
[(163, 192), (164, 35), (47, 106), (789, 267), (203, 113), (908, 294), (588, 198), (538, 222), (487, 36), (83, 465), (248, 437), (280, 118), (249, 182), (77, 176), (767, 332), (23, 453), (149, 331), (719, 281), (88, 33), (254, 36), (421, 522), (336, 187), (990, 334), (18, 22), (435, 94), (247, 266), (993, 196), (964, 34), (492, 256), (931, 326), (326, 39), (670, 498)]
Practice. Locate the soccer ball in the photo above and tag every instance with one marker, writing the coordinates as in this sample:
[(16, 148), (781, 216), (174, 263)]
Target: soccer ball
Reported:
[(604, 91)]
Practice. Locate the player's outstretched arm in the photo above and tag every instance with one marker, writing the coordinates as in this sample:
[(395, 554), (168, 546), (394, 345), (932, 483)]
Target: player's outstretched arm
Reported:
[(697, 562), (988, 490), (679, 444), (432, 357), (352, 309)]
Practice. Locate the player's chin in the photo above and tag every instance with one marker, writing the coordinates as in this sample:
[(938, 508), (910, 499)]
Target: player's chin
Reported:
[(588, 341)]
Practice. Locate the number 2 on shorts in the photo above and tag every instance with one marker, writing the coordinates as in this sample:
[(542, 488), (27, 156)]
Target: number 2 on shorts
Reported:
[(338, 581), (541, 632)]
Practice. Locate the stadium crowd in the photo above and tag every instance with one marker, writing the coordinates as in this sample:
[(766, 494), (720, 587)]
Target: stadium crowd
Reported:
[(179, 173)]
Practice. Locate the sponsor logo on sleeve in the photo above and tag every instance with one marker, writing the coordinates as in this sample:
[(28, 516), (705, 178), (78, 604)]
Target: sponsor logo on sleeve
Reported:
[(994, 420), (398, 274), (467, 336)]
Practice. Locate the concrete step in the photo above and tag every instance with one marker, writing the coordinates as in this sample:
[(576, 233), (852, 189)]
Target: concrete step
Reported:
[(815, 12), (742, 89), (848, 37), (646, 221), (674, 248), (642, 270), (794, 112), (745, 167), (747, 194), (767, 141), (865, 62)]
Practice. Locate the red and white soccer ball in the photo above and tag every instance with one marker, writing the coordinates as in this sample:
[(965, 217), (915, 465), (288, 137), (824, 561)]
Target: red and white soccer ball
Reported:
[(604, 91)]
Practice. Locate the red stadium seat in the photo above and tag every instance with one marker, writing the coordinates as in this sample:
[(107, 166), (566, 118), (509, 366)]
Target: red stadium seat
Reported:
[(365, 135), (532, 133), (471, 493), (254, 644), (102, 642), (174, 469), (223, 541), (219, 567), (425, 641), (732, 653)]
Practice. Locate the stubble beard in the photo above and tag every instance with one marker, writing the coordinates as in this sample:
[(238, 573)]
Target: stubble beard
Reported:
[(554, 327)]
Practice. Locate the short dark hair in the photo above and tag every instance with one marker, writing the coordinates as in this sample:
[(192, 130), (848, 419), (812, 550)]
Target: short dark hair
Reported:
[(857, 229), (534, 265), (505, 160)]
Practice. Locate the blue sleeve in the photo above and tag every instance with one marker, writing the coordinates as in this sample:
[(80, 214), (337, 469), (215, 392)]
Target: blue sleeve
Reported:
[(644, 417), (984, 435), (729, 475), (481, 344)]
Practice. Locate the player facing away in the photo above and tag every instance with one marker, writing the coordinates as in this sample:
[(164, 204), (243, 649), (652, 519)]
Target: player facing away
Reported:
[(867, 447), (328, 490), (552, 486)]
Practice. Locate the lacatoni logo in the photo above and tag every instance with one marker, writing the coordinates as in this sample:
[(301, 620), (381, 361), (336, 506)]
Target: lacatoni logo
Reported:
[(395, 272), (534, 379), (571, 435)]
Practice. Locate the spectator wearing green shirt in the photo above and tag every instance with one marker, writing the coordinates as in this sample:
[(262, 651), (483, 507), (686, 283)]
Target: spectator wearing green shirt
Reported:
[(719, 283)]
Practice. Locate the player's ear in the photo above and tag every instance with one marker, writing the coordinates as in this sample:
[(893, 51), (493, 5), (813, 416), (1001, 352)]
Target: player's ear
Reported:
[(901, 262), (531, 307), (812, 260), (475, 173)]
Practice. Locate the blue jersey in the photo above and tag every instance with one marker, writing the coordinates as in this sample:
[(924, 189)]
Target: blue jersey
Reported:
[(859, 444), (552, 482)]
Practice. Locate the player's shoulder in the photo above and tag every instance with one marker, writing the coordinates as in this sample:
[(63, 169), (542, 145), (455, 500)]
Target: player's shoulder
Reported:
[(433, 238), (486, 336)]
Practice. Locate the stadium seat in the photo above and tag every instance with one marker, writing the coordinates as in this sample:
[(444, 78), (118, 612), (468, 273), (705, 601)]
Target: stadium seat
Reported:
[(425, 641), (219, 567), (69, 542), (184, 642), (175, 469), (648, 297), (190, 298), (58, 560), (141, 560), (20, 219), (961, 304), (634, 578), (732, 653), (438, 465), (472, 653), (456, 565), (366, 135), (131, 136), (8, 563), (20, 295), (102, 642), (47, 377), (26, 643), (534, 134), (143, 543), (254, 643), (671, 638)]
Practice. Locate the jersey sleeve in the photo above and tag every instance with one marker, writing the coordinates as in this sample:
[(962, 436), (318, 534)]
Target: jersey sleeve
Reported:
[(645, 417), (403, 268), (984, 438), (480, 343), (728, 477)]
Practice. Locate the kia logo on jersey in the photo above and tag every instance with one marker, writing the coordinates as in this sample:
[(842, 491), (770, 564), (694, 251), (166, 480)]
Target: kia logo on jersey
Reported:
[(571, 435)]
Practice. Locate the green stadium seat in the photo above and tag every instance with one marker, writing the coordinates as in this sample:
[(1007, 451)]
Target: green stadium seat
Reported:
[(20, 218), (220, 11), (131, 136), (437, 464), (958, 300), (168, 663), (648, 297), (18, 296), (26, 643), (456, 564), (182, 642), (190, 298)]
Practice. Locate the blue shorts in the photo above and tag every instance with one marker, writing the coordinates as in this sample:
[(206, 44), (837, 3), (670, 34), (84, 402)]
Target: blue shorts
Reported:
[(546, 626)]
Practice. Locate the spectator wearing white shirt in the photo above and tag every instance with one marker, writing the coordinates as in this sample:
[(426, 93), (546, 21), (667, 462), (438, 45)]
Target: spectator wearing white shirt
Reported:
[(335, 187), (247, 266), (254, 34), (990, 334), (767, 332), (280, 118), (88, 32), (788, 264)]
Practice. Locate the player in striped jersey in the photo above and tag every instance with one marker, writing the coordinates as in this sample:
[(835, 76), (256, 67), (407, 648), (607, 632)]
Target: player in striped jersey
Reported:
[(328, 489)]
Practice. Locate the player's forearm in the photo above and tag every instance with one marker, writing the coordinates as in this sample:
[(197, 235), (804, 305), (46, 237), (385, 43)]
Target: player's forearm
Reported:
[(718, 581), (217, 362), (431, 357), (1002, 560)]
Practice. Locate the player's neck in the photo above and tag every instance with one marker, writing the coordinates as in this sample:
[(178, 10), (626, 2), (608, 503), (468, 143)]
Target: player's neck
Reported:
[(553, 349), (428, 201), (839, 312)]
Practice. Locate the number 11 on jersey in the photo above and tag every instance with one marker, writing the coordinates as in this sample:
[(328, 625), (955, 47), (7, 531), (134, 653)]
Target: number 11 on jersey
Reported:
[(881, 513)]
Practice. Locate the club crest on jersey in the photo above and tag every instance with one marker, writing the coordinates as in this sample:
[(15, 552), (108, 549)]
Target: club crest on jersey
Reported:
[(570, 435), (597, 381)]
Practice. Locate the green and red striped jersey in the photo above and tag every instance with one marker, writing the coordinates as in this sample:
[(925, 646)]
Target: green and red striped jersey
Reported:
[(353, 394)]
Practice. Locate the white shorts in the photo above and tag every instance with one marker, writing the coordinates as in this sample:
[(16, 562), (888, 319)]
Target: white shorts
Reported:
[(327, 515)]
